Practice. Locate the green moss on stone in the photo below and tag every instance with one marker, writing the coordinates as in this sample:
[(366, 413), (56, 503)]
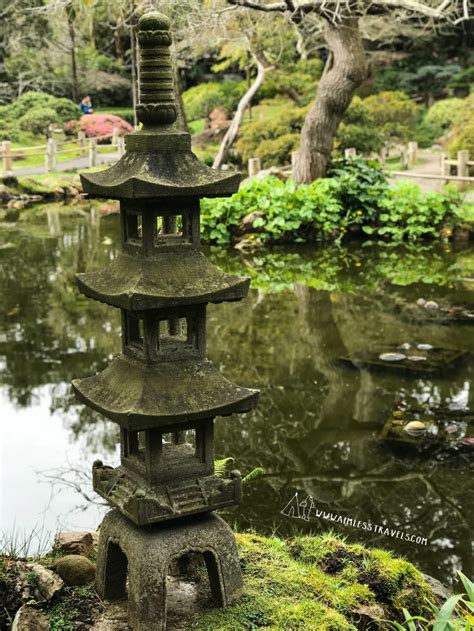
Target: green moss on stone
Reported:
[(316, 583)]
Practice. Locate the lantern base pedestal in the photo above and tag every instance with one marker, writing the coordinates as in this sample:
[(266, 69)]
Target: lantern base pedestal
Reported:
[(145, 555)]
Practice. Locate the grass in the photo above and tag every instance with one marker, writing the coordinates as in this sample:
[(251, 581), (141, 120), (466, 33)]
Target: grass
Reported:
[(197, 126), (124, 112)]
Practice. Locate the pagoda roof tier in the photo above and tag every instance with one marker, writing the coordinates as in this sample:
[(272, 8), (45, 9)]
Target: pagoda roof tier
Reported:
[(159, 163), (172, 279), (140, 395)]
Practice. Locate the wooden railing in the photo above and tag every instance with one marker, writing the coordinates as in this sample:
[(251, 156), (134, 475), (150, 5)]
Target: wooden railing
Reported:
[(450, 170), (54, 149)]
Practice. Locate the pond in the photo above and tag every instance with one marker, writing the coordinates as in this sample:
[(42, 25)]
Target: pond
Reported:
[(317, 429)]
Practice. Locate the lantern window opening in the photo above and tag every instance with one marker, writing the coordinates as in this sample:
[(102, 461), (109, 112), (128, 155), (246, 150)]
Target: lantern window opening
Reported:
[(133, 448), (132, 228), (179, 228), (165, 335), (134, 332)]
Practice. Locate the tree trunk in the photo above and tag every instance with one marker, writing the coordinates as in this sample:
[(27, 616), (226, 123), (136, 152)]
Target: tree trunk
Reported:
[(72, 34), (345, 71), (244, 102)]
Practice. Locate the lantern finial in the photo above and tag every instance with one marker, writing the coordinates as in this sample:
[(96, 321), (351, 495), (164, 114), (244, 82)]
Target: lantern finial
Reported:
[(156, 89)]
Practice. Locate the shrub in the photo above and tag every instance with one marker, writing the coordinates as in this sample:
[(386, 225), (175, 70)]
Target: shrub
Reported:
[(365, 139), (200, 100), (254, 134), (277, 150), (64, 108), (462, 135), (408, 213), (362, 184), (296, 80), (100, 125), (37, 120), (444, 114), (394, 114)]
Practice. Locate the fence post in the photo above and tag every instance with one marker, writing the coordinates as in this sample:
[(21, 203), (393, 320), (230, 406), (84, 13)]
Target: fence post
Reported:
[(383, 154), (115, 137), (412, 150), (254, 166), (92, 152), (121, 146), (463, 167), (81, 139), (7, 155), (350, 153), (403, 159), (50, 155), (445, 166)]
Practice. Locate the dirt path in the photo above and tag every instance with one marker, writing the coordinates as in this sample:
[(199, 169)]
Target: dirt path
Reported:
[(430, 166)]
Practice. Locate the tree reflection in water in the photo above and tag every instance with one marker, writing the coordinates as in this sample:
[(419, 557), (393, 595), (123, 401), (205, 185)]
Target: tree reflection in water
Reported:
[(316, 429)]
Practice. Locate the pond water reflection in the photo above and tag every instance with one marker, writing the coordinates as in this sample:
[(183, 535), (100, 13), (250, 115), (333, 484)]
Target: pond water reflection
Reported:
[(317, 427)]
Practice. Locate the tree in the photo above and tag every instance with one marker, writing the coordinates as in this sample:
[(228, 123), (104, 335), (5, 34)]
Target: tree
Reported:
[(346, 68), (262, 68)]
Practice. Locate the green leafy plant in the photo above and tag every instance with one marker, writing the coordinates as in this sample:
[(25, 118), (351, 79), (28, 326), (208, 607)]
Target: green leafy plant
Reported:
[(221, 468), (355, 197), (456, 614)]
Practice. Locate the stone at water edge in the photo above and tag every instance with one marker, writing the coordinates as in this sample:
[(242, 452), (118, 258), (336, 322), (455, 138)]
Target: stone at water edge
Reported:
[(30, 619), (415, 427), (392, 357), (75, 542), (75, 569), (49, 583)]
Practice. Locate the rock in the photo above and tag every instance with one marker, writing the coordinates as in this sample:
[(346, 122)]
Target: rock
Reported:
[(49, 583), (218, 119), (74, 542), (75, 569), (16, 204), (30, 619), (392, 357), (114, 618), (424, 347), (415, 427), (416, 358), (369, 615), (421, 302), (406, 346), (431, 305), (247, 245), (250, 218), (441, 592), (278, 172)]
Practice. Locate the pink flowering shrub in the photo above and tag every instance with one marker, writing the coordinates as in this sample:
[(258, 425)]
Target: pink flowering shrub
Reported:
[(99, 125)]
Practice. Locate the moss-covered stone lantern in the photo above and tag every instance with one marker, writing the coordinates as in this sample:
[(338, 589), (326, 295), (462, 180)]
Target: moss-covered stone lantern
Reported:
[(162, 390)]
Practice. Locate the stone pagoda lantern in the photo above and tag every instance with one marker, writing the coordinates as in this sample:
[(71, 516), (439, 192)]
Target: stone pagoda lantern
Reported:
[(162, 390)]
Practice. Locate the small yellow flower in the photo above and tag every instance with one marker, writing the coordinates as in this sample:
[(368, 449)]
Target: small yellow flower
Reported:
[(359, 212), (358, 264)]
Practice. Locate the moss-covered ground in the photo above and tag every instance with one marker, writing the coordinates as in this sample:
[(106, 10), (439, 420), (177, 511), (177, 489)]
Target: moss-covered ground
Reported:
[(317, 583), (320, 583)]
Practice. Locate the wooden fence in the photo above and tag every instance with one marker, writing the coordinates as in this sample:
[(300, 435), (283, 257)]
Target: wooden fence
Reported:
[(54, 149)]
